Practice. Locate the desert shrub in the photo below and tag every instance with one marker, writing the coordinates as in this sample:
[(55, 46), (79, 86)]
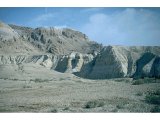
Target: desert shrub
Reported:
[(27, 86), (145, 80), (76, 104), (4, 110), (62, 79), (66, 108), (155, 109), (157, 92), (54, 110), (139, 94), (15, 79), (138, 82), (119, 106), (153, 97), (114, 110), (91, 104), (123, 80), (95, 103), (37, 80)]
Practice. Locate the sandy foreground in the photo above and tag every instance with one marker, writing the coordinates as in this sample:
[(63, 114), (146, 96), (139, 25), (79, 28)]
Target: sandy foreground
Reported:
[(74, 94)]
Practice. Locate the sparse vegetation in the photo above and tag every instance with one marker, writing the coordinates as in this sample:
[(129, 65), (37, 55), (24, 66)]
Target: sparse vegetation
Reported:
[(4, 110), (15, 79), (27, 86), (153, 97), (66, 108), (139, 94), (62, 79), (138, 82), (145, 80), (37, 80), (54, 110), (119, 106), (114, 110), (76, 104), (156, 109), (94, 104), (123, 80)]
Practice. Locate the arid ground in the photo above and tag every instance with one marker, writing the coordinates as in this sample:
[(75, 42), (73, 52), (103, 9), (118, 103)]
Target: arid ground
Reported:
[(73, 94)]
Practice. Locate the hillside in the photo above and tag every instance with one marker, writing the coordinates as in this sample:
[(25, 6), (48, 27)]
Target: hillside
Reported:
[(62, 70), (69, 51), (57, 41), (12, 43)]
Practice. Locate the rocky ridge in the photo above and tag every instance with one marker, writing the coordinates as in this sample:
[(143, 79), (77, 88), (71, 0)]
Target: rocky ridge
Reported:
[(69, 51), (57, 41)]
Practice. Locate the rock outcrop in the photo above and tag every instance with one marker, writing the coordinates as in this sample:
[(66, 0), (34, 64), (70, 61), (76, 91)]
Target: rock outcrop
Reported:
[(12, 43), (118, 61), (57, 41), (109, 64), (69, 51)]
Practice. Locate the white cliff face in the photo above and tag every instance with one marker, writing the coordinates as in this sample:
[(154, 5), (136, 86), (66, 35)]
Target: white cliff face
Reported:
[(57, 41), (12, 43), (146, 70), (78, 66), (7, 33), (69, 51), (72, 63), (109, 64), (117, 61), (7, 59)]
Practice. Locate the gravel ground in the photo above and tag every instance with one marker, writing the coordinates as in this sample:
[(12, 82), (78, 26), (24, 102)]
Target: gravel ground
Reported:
[(74, 94)]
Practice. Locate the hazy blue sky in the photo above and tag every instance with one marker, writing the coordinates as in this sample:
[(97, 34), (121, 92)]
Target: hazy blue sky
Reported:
[(110, 26)]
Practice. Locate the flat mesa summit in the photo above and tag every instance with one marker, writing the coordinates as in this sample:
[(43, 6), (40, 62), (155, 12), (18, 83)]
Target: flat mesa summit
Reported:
[(43, 52)]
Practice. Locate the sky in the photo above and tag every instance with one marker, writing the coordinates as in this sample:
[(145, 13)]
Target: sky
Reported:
[(109, 26)]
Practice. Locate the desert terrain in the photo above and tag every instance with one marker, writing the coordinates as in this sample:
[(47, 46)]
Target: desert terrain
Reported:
[(62, 70), (73, 94)]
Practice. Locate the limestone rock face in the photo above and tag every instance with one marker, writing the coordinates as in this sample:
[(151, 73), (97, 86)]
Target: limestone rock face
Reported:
[(71, 63), (109, 64), (146, 70), (57, 41), (70, 51), (7, 33), (118, 61), (11, 42)]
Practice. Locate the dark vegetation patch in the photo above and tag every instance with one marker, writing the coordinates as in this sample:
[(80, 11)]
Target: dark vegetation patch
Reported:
[(37, 80), (153, 97), (94, 104), (145, 81), (54, 110), (156, 109)]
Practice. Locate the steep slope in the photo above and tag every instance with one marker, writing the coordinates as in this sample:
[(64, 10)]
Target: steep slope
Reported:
[(155, 69), (11, 42), (109, 64), (69, 51), (58, 41), (119, 61)]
